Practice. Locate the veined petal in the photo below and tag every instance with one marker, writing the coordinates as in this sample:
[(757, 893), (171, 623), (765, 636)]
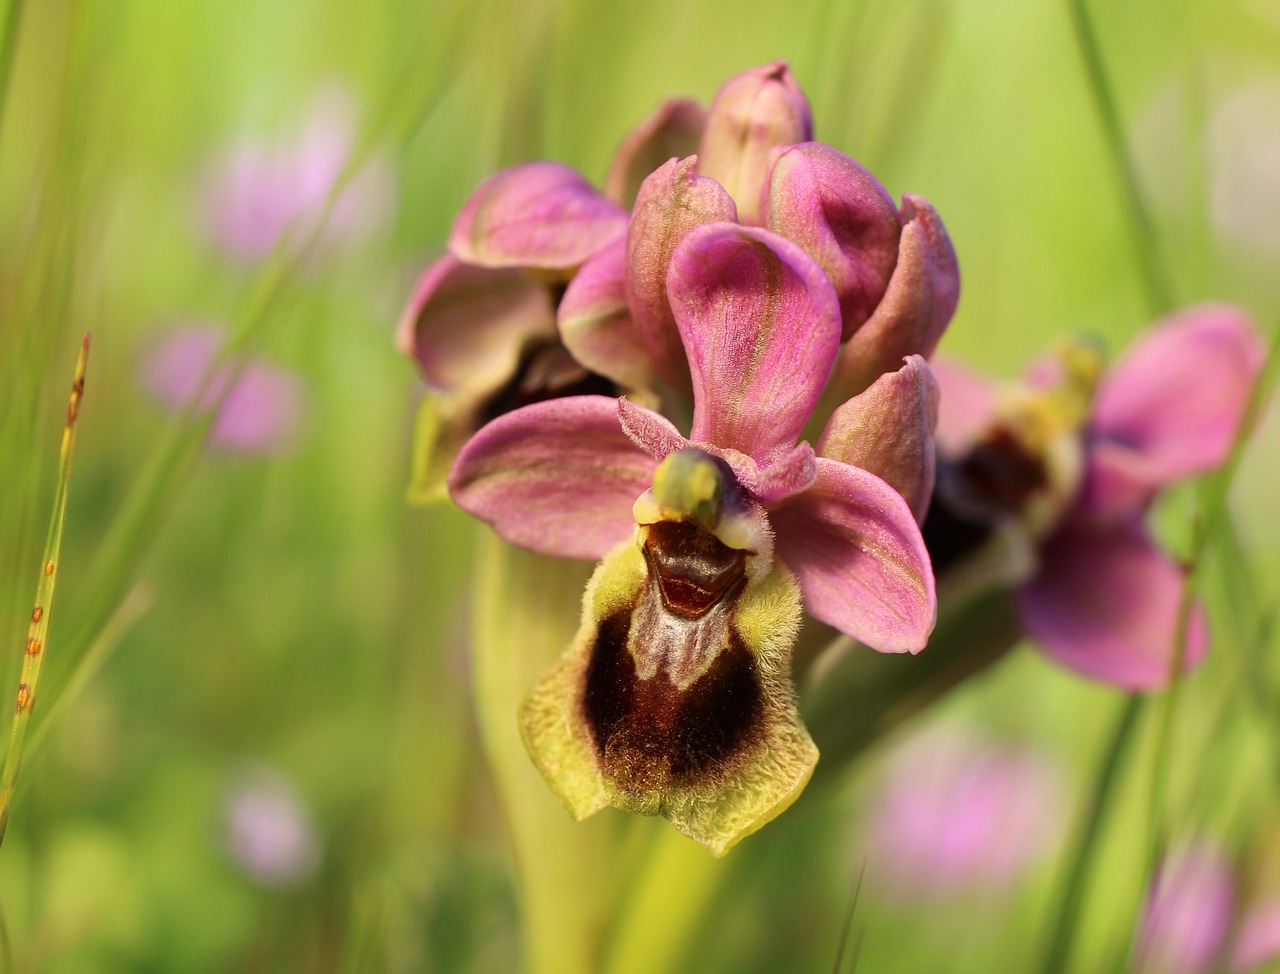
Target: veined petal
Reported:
[(888, 431), (557, 477), (1173, 403), (966, 406), (841, 215), (670, 132), (855, 547), (1105, 603), (595, 321), (753, 112), (467, 326), (917, 306), (541, 215), (672, 201), (760, 324)]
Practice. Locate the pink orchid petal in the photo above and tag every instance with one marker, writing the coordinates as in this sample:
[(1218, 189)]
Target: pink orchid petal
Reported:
[(760, 324), (1105, 603), (888, 431), (672, 201), (648, 430), (541, 214), (862, 565), (558, 477), (595, 321), (467, 326), (1174, 402), (753, 113), (670, 132), (839, 213), (966, 406), (920, 300)]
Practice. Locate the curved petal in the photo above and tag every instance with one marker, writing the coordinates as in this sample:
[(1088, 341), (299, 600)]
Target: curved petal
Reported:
[(966, 406), (1175, 401), (888, 431), (753, 113), (672, 201), (541, 214), (839, 213), (558, 477), (467, 326), (595, 321), (853, 544), (1105, 603), (760, 324), (917, 306), (648, 430), (670, 132)]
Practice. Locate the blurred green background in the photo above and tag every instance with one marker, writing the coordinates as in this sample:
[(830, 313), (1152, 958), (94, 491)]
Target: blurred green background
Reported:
[(282, 620)]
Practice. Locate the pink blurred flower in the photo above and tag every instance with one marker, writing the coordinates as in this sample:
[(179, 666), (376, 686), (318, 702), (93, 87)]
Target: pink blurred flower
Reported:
[(1257, 939), (256, 188), (959, 812), (1188, 913), (1071, 472), (269, 831), (260, 411)]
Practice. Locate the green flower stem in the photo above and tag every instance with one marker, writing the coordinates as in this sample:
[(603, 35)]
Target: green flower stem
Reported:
[(37, 634), (569, 873), (1159, 295), (854, 699), (675, 886)]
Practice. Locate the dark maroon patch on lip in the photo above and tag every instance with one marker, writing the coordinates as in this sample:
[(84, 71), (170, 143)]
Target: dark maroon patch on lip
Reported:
[(999, 472), (695, 570), (649, 735), (546, 371)]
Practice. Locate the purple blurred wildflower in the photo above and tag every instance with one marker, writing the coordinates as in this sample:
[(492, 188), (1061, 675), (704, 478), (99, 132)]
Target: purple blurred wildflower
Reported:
[(260, 411), (256, 189), (1068, 475), (269, 831), (957, 812)]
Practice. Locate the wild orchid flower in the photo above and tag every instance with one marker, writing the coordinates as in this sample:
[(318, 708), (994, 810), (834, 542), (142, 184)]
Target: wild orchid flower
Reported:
[(675, 697), (551, 290), (482, 320), (1060, 471)]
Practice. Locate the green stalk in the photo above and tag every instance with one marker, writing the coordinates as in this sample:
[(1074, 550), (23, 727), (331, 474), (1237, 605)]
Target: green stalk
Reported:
[(1159, 295), (38, 631), (1086, 848), (569, 873)]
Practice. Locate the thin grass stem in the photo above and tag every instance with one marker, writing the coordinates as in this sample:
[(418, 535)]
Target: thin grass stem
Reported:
[(1142, 227), (38, 631)]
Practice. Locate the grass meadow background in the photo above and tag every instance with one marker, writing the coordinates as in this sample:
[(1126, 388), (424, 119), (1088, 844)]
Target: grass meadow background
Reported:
[(286, 616)]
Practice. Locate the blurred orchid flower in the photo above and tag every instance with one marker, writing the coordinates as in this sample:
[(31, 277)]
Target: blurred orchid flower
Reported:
[(256, 190), (676, 697), (260, 406), (269, 832), (1062, 470), (958, 812)]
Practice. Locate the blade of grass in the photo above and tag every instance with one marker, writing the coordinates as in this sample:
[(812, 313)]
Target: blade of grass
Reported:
[(1159, 295), (848, 926), (38, 633), (1086, 846)]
